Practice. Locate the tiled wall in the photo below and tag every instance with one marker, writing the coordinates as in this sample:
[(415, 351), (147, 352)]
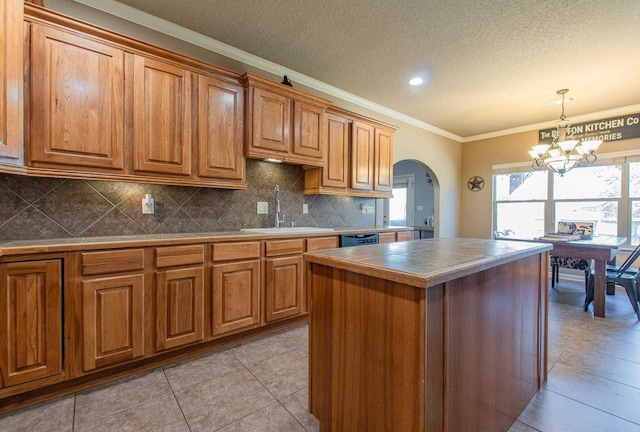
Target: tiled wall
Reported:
[(41, 208)]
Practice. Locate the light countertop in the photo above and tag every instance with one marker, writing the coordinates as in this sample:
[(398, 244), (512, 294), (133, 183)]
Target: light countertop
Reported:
[(424, 263), (18, 247)]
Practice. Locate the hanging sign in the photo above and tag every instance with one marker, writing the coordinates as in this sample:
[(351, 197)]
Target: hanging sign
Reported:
[(609, 129)]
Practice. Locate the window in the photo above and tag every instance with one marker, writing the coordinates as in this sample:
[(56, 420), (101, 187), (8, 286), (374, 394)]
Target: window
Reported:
[(634, 198), (520, 204), (401, 205), (529, 204)]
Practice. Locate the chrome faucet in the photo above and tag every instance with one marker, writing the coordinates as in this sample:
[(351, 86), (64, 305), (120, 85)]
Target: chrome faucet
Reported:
[(279, 221)]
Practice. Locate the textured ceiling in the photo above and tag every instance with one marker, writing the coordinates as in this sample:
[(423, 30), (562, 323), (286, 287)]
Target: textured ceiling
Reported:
[(490, 65)]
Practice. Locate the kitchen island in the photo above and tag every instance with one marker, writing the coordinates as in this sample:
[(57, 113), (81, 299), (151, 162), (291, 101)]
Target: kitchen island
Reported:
[(435, 335)]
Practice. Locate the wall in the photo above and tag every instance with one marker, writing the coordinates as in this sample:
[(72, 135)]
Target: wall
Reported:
[(41, 208), (424, 195), (478, 157), (441, 155)]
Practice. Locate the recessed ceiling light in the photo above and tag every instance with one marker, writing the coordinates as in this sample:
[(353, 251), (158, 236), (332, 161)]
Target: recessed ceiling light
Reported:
[(415, 81)]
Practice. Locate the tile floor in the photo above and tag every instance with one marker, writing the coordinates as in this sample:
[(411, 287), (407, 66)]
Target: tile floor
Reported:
[(261, 385)]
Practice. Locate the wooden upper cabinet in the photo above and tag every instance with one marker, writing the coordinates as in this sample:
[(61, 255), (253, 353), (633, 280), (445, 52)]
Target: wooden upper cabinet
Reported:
[(77, 101), (271, 122), (383, 157), (11, 81), (358, 158), (362, 156), (336, 165), (30, 321), (220, 129), (284, 123), (162, 117), (308, 128)]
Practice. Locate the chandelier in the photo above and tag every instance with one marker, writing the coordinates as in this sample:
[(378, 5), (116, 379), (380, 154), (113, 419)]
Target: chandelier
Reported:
[(565, 152)]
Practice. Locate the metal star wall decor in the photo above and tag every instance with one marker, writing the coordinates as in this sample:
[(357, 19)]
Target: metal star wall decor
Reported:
[(475, 183)]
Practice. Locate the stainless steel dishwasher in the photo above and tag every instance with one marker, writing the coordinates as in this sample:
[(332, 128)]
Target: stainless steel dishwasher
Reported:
[(347, 240)]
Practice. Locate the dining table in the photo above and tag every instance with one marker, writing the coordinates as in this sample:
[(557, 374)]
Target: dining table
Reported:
[(599, 248)]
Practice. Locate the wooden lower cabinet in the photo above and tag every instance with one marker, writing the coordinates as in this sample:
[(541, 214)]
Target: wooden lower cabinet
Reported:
[(112, 320), (30, 321), (179, 307), (404, 236), (283, 287), (112, 307), (179, 295), (236, 296), (386, 237), (282, 279), (235, 285), (391, 237)]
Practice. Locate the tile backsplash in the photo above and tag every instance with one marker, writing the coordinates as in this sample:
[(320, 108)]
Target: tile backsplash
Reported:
[(44, 208)]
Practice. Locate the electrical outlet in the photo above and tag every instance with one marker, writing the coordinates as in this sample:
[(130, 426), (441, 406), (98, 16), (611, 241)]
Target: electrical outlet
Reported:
[(148, 205), (263, 207), (305, 208), (370, 209)]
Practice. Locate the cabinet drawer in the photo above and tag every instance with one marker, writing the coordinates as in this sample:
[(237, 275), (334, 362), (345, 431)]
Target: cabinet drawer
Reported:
[(112, 261), (283, 247), (322, 243), (179, 255), (234, 251)]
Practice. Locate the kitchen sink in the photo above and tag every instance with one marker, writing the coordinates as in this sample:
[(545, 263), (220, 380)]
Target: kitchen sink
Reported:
[(287, 230)]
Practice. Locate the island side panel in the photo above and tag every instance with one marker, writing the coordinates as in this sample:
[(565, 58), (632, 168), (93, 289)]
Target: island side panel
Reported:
[(320, 341), (374, 352), (494, 345), (434, 359)]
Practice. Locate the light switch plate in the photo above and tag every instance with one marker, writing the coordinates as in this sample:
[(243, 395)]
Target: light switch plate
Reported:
[(305, 208), (263, 207)]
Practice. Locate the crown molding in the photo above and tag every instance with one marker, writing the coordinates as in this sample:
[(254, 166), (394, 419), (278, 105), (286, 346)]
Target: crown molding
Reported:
[(160, 25), (549, 124)]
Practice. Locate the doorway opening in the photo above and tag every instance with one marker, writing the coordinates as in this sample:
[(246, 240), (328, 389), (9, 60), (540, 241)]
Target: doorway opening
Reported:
[(413, 202)]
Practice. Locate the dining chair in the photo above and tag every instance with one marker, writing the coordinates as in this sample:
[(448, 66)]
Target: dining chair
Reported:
[(571, 263), (623, 275), (571, 227)]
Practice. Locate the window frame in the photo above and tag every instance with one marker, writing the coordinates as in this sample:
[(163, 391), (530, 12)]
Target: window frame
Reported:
[(624, 201)]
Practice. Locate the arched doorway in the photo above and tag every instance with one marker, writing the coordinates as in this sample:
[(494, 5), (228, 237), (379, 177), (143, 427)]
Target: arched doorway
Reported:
[(413, 203)]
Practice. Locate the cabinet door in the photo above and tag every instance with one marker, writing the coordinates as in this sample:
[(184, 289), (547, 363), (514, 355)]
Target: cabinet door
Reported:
[(386, 237), (30, 321), (362, 148), (162, 117), (112, 320), (236, 302), (179, 307), (220, 129), (404, 236), (383, 151), (270, 123), (308, 128), (283, 287), (11, 82), (336, 165), (77, 101)]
